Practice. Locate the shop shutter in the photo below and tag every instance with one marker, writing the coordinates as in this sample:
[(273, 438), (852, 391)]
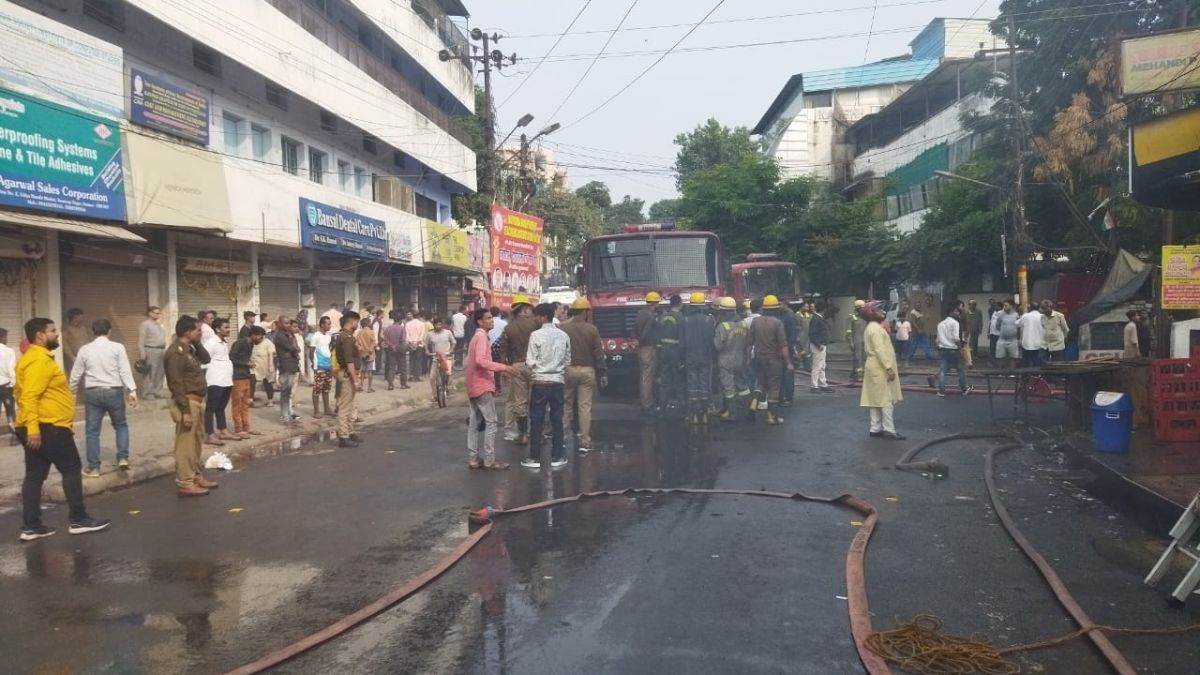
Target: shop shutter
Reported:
[(217, 292), (278, 297), (370, 294), (329, 292), (119, 294), (12, 313)]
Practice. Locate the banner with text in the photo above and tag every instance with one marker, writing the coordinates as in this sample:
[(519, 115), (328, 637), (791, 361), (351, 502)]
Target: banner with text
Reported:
[(56, 159), (515, 264), (446, 246), (168, 107), (328, 228), (1181, 277)]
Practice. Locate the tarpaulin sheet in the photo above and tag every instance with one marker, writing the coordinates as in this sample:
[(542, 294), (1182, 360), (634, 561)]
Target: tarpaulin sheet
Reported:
[(1124, 280)]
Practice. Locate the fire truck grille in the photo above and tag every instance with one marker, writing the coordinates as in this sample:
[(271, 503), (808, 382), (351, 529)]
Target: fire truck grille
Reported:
[(615, 321)]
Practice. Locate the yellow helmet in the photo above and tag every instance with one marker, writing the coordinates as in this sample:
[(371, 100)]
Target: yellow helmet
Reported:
[(726, 302), (653, 297), (770, 302), (697, 298), (746, 303), (520, 300), (581, 303)]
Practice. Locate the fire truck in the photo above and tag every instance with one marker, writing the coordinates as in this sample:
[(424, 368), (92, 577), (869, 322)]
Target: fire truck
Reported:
[(618, 270), (766, 274)]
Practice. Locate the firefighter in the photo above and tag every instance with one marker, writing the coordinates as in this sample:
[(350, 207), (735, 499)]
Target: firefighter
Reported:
[(732, 342), (698, 358), (772, 358), (514, 341), (668, 342), (854, 331), (643, 330)]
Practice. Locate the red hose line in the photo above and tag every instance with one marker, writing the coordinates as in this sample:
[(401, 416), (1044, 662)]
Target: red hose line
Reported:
[(856, 588)]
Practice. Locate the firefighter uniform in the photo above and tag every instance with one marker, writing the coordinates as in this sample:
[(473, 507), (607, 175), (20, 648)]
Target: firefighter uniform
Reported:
[(732, 342), (668, 372), (698, 358), (643, 330), (771, 360), (858, 354), (514, 341)]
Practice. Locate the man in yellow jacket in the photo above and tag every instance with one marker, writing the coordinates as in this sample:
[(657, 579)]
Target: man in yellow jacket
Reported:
[(45, 410)]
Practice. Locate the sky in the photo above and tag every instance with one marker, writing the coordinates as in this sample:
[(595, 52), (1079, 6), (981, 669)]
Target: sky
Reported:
[(628, 143)]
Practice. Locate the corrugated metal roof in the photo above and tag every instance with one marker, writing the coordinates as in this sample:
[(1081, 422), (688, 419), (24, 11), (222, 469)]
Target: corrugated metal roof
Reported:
[(871, 74)]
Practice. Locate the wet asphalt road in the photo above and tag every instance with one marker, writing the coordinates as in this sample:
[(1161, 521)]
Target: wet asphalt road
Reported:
[(291, 543)]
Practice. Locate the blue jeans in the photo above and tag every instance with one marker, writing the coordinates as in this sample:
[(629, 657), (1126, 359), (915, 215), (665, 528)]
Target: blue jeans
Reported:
[(1031, 358), (919, 340), (100, 400), (542, 395), (951, 358)]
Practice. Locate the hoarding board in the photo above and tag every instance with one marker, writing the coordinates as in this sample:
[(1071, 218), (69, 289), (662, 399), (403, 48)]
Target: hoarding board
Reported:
[(328, 228), (60, 160), (1181, 277), (516, 258), (446, 245), (1164, 161), (168, 107), (1164, 62)]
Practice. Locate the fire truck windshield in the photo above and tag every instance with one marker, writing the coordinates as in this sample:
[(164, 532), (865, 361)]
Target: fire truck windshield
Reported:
[(659, 262), (779, 280)]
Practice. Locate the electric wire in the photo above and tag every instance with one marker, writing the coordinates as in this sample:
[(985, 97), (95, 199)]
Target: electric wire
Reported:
[(592, 65), (538, 64)]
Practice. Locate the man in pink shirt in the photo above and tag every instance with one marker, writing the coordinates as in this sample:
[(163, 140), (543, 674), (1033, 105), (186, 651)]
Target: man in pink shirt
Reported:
[(481, 390), (414, 337)]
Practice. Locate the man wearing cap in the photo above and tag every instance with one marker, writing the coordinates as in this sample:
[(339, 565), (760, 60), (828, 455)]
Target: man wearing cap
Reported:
[(881, 377), (514, 342), (586, 368), (698, 357), (643, 330), (772, 357), (669, 372), (732, 342), (855, 329)]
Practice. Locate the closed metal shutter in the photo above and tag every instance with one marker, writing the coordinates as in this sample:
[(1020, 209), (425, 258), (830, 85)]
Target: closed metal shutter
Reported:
[(278, 297), (217, 292), (12, 310), (119, 294), (329, 292), (370, 294)]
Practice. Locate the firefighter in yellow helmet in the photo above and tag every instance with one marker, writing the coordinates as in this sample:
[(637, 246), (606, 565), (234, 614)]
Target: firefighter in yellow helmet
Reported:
[(514, 341), (772, 356), (643, 330), (732, 342), (669, 364), (698, 349)]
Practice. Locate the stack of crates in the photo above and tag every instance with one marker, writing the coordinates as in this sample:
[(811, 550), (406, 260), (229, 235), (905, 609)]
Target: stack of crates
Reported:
[(1175, 387)]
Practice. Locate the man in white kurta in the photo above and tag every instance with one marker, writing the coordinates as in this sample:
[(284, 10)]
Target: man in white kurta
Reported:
[(881, 378)]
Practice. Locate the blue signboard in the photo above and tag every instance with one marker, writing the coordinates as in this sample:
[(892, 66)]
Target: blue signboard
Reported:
[(57, 159), (158, 104), (328, 228)]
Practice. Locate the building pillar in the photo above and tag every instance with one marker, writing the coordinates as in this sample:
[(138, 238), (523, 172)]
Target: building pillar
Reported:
[(170, 307), (47, 288), (253, 297)]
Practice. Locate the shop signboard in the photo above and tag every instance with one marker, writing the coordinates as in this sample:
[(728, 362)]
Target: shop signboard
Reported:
[(1163, 62), (446, 246), (168, 107), (1164, 161), (514, 265), (54, 62), (1181, 277), (176, 185), (59, 160), (329, 228)]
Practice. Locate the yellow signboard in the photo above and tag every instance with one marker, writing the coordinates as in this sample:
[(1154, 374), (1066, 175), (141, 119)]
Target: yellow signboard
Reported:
[(1164, 62), (1181, 277), (446, 245)]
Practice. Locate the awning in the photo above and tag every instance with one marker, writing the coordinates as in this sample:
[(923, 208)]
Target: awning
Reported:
[(68, 225)]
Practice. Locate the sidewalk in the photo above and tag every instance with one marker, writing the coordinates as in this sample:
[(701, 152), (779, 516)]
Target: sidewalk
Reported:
[(151, 435)]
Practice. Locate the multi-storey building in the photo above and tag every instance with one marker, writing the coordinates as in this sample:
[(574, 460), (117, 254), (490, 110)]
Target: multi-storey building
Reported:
[(267, 155)]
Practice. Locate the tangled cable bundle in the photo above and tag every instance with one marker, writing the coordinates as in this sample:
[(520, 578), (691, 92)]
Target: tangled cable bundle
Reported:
[(920, 646)]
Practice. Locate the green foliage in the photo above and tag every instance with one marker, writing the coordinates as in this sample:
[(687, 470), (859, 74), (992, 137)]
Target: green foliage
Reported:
[(628, 211), (665, 209), (710, 144), (571, 219), (475, 207), (597, 193)]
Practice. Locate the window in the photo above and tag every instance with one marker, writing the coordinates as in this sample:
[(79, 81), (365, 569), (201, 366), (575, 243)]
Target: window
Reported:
[(291, 155), (398, 159), (111, 13), (370, 144), (206, 59), (329, 122), (344, 176), (260, 142), (893, 207), (233, 139), (316, 165), (276, 95), (426, 207), (360, 182), (917, 197), (818, 99)]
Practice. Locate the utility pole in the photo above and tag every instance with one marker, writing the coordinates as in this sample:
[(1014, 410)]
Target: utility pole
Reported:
[(489, 58), (1020, 246)]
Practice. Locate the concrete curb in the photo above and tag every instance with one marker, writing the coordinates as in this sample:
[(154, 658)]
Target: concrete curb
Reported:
[(1153, 511), (257, 446)]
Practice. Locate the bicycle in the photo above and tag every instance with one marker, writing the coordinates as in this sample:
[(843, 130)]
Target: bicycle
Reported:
[(442, 387)]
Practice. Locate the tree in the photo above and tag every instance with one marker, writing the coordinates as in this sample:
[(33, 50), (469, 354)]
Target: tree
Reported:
[(570, 220), (474, 207), (628, 211), (595, 192), (710, 144), (665, 210)]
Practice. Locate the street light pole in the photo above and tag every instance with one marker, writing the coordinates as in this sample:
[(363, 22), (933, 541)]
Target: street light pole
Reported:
[(1020, 246)]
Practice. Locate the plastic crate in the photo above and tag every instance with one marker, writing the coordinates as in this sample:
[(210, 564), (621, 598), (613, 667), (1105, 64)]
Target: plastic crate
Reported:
[(1174, 427), (1165, 370), (1175, 389)]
